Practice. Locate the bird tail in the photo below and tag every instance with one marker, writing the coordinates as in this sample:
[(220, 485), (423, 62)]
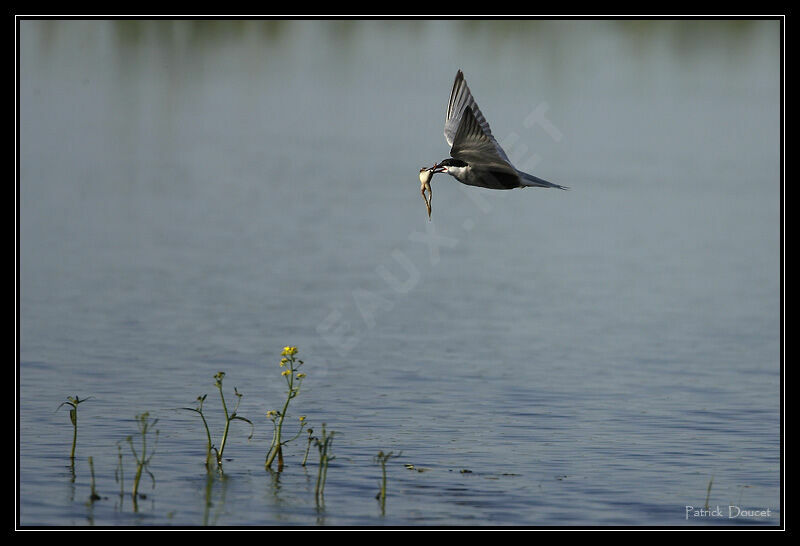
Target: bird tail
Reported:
[(530, 181)]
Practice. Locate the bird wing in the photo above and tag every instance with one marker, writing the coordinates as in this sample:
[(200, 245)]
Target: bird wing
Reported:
[(461, 101), (472, 145)]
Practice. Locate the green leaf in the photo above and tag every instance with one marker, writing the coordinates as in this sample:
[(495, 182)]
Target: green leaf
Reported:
[(252, 427)]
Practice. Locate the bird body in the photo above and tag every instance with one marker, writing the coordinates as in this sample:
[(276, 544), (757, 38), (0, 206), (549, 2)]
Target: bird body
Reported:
[(476, 157), (482, 178)]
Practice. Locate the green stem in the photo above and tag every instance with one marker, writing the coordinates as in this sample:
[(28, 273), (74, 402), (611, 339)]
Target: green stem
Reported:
[(208, 436), (708, 491), (94, 496), (227, 424), (308, 447), (383, 483), (323, 464), (144, 445), (74, 436), (319, 479), (276, 439), (120, 473), (324, 475), (382, 493), (136, 479)]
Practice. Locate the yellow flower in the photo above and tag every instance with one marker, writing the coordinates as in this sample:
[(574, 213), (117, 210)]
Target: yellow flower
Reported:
[(286, 372), (289, 351), (302, 418), (284, 361), (301, 375), (271, 414)]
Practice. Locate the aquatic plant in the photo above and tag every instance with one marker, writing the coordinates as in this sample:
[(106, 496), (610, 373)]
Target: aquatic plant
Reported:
[(93, 496), (708, 491), (199, 411), (119, 473), (143, 458), (229, 417), (308, 445), (294, 379), (73, 417), (382, 458), (323, 445)]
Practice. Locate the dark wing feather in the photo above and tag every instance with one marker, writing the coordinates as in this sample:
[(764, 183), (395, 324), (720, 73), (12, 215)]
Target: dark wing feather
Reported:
[(461, 100), (472, 145)]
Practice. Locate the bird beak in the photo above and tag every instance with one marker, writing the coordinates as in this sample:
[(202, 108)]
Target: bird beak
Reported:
[(435, 169)]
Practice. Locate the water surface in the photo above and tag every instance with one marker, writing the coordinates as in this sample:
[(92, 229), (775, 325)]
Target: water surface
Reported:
[(193, 196)]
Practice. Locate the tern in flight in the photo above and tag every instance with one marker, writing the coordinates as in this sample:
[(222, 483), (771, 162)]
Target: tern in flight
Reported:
[(476, 159)]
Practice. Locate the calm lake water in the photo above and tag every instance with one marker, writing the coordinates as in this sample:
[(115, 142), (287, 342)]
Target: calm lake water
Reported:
[(193, 196)]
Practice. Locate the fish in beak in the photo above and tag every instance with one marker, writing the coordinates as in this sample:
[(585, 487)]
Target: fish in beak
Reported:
[(425, 176)]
